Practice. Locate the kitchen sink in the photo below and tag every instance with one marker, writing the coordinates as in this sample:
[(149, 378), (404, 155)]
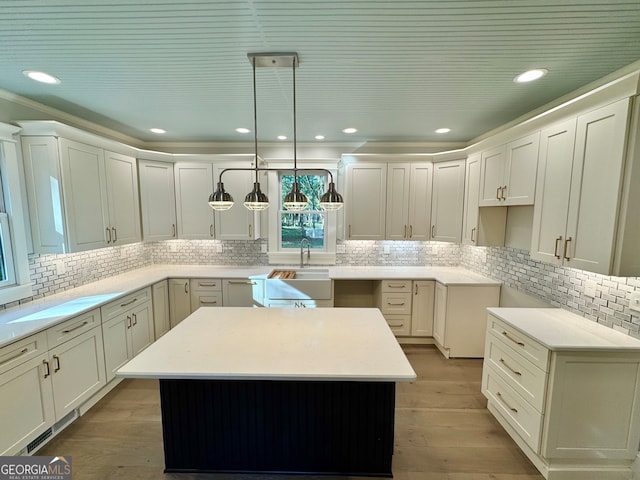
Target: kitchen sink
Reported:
[(306, 283)]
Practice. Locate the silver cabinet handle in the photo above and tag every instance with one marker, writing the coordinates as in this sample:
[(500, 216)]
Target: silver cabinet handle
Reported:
[(433, 231), (128, 321), (512, 339), (56, 359), (395, 304), (242, 282), (108, 234), (76, 327), (47, 372), (115, 234), (17, 355), (186, 287), (208, 302), (473, 231), (410, 231), (498, 193), (173, 230), (566, 245), (515, 372), (135, 319), (555, 249), (499, 395), (208, 284), (502, 191)]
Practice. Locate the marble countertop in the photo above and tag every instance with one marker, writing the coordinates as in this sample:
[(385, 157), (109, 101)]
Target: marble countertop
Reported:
[(559, 329), (35, 316), (350, 344)]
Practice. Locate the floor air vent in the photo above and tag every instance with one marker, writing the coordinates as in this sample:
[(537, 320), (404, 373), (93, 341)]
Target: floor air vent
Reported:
[(41, 438)]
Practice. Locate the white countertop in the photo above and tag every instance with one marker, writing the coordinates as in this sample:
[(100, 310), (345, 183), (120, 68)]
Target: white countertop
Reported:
[(344, 344), (559, 329), (25, 320)]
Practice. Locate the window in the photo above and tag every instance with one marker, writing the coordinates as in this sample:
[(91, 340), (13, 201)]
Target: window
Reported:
[(310, 224)]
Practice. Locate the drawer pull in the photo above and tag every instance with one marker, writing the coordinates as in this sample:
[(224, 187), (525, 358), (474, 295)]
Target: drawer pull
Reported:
[(499, 395), (396, 325), (213, 284), (241, 282), (17, 355), (396, 285), (512, 339), (515, 372), (76, 327), (129, 302), (48, 369), (204, 302), (395, 304)]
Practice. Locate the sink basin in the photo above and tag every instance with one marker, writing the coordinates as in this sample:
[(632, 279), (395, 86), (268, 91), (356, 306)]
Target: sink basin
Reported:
[(313, 284)]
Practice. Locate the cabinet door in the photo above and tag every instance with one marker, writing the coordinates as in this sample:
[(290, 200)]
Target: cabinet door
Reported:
[(237, 223), (365, 202), (194, 184), (78, 371), (492, 176), (420, 185), (595, 188), (552, 191), (520, 172), (397, 216), (239, 292), (141, 328), (440, 314), (448, 200), (471, 199), (179, 300), (84, 190), (122, 197), (422, 308), (157, 200), (117, 344), (160, 292), (26, 402)]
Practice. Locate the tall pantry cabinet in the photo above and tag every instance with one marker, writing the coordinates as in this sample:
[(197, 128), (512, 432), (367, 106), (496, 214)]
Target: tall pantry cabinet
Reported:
[(80, 196)]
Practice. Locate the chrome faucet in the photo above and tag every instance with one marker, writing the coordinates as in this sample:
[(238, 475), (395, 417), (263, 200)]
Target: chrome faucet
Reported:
[(302, 242)]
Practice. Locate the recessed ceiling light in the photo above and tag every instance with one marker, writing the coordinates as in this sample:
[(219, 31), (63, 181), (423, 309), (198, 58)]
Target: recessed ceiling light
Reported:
[(350, 130), (531, 75), (242, 130), (282, 137), (443, 130), (319, 137), (159, 131), (41, 77)]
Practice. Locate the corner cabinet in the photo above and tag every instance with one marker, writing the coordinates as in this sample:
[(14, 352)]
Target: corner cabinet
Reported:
[(365, 200), (584, 215), (80, 197), (157, 201), (448, 201)]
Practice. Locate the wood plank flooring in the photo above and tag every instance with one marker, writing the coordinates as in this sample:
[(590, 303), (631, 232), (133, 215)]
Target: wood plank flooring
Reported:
[(443, 431)]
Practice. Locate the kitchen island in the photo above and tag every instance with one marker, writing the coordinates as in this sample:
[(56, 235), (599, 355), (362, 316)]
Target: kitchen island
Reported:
[(277, 390)]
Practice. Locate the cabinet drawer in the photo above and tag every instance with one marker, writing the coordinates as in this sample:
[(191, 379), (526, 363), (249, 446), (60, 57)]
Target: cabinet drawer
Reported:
[(17, 353), (396, 303), (73, 327), (392, 286), (125, 303), (400, 324), (206, 284), (522, 417), (527, 379), (527, 347), (205, 300)]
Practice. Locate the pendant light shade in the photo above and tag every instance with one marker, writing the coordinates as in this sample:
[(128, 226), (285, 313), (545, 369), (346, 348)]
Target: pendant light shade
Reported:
[(255, 199), (220, 200), (331, 200), (295, 200)]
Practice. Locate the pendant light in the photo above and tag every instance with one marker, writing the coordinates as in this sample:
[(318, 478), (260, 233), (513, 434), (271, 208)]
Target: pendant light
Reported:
[(295, 200)]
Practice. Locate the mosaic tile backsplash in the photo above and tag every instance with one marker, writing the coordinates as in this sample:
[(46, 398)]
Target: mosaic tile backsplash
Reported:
[(563, 287)]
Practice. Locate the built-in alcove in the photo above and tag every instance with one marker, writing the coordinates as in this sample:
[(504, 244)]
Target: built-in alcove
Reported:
[(355, 293)]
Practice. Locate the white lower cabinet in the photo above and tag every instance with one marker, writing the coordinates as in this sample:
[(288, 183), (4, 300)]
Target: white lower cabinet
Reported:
[(127, 327), (205, 292), (422, 308), (179, 300), (573, 412), (459, 322), (160, 298), (242, 292)]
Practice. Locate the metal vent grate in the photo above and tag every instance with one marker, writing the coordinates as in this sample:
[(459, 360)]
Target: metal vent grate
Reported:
[(39, 440)]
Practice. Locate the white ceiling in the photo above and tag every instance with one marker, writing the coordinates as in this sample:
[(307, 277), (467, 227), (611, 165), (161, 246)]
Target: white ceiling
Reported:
[(396, 70)]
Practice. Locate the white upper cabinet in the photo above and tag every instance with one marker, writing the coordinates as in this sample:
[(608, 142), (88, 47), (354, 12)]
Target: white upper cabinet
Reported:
[(420, 186), (581, 204), (448, 201), (471, 199), (237, 223), (365, 201), (194, 184), (397, 217), (157, 200), (508, 173), (80, 197)]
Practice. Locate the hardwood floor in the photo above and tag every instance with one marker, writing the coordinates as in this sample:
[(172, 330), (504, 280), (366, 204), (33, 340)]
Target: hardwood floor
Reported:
[(443, 431)]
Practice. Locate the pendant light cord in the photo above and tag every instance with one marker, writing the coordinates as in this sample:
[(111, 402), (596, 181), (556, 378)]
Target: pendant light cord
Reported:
[(295, 159), (255, 117)]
